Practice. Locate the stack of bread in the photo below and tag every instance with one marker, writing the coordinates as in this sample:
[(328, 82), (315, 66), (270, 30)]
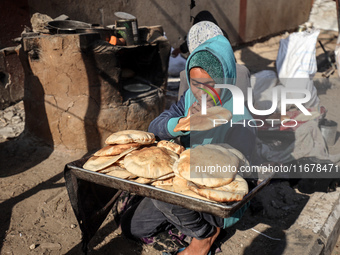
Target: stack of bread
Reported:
[(223, 186), (194, 166), (134, 155)]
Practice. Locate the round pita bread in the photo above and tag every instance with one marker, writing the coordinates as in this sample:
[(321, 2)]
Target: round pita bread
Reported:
[(186, 192), (184, 125), (167, 176), (190, 193), (165, 182), (232, 192), (120, 163), (166, 187), (117, 171), (151, 162), (208, 165), (112, 150), (98, 163), (200, 122), (143, 180), (175, 166), (237, 153), (131, 136), (171, 146), (179, 184), (111, 168)]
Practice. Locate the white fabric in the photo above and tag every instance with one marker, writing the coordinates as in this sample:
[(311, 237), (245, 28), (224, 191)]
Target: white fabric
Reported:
[(296, 64), (176, 65), (323, 15), (200, 32)]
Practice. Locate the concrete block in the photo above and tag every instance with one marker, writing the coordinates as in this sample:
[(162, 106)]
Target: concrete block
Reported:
[(317, 228)]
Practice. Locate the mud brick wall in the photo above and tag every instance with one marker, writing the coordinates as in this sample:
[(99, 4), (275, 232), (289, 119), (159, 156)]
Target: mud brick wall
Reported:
[(73, 94)]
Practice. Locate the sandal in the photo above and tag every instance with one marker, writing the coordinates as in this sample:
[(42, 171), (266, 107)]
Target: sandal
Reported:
[(170, 240), (179, 250)]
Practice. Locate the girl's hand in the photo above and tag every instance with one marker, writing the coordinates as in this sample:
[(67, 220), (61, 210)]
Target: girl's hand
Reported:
[(194, 108)]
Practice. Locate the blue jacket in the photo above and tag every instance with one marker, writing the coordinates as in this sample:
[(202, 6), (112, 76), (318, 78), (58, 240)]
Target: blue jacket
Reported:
[(164, 124)]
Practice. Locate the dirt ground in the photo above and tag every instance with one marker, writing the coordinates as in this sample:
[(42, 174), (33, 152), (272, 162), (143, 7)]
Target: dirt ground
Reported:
[(37, 218)]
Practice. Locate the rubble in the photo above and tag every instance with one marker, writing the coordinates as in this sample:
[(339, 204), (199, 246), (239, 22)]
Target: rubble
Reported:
[(12, 121), (51, 246), (39, 22)]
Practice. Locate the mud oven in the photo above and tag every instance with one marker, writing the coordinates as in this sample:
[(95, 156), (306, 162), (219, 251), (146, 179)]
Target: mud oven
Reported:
[(79, 88)]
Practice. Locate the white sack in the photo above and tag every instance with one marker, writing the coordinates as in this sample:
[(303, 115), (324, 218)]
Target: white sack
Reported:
[(296, 64)]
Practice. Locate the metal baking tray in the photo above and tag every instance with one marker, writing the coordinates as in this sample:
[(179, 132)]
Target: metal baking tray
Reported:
[(223, 210)]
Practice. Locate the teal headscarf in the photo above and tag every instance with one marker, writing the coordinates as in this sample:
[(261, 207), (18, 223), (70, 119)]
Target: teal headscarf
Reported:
[(208, 62), (217, 58)]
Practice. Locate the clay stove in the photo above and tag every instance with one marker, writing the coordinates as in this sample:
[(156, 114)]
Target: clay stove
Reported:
[(74, 86)]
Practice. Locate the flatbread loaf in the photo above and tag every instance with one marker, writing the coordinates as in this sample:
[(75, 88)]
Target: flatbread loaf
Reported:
[(143, 180), (208, 165), (200, 122), (166, 187), (96, 163), (167, 176), (131, 136), (179, 184), (175, 166), (234, 191), (111, 168), (120, 173), (186, 192), (190, 193), (163, 182), (237, 153), (171, 146), (184, 125), (120, 163), (151, 162), (113, 150)]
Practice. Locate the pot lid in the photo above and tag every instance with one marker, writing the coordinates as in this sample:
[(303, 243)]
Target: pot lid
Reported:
[(68, 24), (124, 15), (137, 87)]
